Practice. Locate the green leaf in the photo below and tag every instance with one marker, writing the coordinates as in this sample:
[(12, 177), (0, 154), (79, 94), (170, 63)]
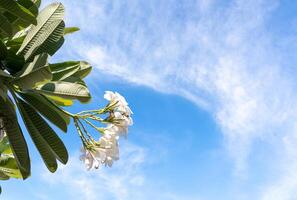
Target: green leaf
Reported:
[(4, 146), (34, 124), (70, 30), (15, 137), (18, 39), (34, 75), (74, 79), (34, 78), (59, 100), (8, 167), (65, 90), (3, 50), (46, 140), (63, 70), (30, 5), (84, 70), (3, 74), (5, 26), (37, 2), (51, 47), (19, 23), (46, 35), (3, 177), (52, 112), (17, 10), (3, 89), (39, 61), (15, 43), (13, 63)]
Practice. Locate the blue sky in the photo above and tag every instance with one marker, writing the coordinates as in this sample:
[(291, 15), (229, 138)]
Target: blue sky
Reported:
[(212, 84)]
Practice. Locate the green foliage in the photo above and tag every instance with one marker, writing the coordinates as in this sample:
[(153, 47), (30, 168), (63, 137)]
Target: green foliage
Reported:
[(47, 35), (34, 73), (38, 88), (8, 165), (15, 136), (66, 90), (48, 109), (14, 15), (45, 139), (70, 30)]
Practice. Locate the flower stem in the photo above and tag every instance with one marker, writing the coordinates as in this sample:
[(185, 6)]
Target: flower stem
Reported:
[(95, 127), (68, 113), (85, 131), (100, 111), (83, 139)]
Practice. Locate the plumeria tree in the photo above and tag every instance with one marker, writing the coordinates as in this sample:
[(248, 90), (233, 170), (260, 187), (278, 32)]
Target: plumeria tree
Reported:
[(40, 91)]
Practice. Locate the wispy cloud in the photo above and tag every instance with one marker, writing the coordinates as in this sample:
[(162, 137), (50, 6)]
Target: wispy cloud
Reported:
[(218, 54), (126, 180), (121, 182)]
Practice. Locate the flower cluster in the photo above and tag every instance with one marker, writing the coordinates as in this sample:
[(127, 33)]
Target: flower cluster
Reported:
[(120, 114), (106, 149)]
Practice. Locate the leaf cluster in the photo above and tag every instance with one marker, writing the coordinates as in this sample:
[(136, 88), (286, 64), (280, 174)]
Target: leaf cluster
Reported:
[(35, 87)]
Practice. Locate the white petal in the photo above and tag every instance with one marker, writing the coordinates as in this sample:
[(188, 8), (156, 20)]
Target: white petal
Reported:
[(109, 95)]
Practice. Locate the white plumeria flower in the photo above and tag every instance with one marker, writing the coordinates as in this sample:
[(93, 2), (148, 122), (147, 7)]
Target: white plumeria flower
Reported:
[(116, 130), (120, 102), (92, 159), (120, 113), (112, 130), (121, 119), (110, 144), (106, 150), (105, 153)]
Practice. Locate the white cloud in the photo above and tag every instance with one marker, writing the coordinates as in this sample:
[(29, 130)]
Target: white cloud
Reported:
[(285, 187), (116, 183), (219, 55), (126, 180), (219, 61)]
